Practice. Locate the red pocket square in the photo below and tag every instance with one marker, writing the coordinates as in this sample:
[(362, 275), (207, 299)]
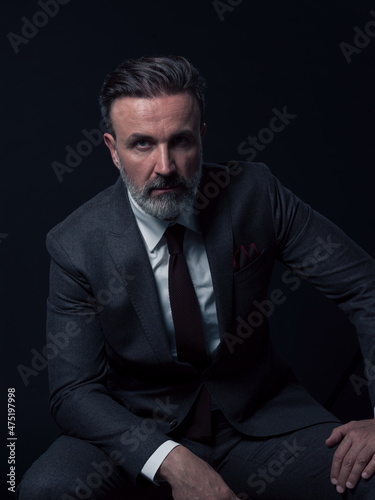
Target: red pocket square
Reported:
[(243, 257)]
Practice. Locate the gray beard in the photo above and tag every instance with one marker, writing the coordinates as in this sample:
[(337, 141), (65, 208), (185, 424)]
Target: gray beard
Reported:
[(167, 205)]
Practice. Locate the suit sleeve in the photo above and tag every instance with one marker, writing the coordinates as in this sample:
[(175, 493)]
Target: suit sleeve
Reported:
[(80, 401), (318, 251)]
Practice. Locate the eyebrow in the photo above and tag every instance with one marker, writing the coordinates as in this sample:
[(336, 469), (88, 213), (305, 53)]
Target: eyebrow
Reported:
[(137, 136)]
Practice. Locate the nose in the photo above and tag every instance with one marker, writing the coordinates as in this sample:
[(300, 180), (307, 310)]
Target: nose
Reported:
[(164, 162)]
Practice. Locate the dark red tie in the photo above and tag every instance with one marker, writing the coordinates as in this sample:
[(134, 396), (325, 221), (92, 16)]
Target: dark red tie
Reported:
[(187, 321)]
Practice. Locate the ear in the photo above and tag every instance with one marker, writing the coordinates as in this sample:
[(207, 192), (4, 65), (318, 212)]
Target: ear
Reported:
[(110, 142), (203, 129)]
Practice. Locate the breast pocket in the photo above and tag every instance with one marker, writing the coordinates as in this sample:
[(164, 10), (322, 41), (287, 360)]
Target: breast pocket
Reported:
[(248, 271)]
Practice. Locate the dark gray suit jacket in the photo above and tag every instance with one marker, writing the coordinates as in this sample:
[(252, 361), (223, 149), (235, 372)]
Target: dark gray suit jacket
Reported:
[(114, 382)]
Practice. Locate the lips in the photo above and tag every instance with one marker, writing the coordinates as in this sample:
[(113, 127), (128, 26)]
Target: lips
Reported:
[(168, 189)]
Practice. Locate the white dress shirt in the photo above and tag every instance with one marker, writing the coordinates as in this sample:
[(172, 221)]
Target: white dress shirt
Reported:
[(152, 230)]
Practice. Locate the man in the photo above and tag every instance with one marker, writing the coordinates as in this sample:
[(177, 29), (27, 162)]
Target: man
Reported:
[(169, 386)]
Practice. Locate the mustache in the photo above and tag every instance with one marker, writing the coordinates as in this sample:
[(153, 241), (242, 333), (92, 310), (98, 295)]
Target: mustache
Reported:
[(172, 181)]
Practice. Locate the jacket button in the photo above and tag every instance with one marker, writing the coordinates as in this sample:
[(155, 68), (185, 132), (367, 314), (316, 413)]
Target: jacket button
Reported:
[(173, 424)]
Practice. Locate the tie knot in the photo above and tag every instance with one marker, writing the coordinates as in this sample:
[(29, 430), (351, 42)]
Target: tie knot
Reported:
[(175, 238)]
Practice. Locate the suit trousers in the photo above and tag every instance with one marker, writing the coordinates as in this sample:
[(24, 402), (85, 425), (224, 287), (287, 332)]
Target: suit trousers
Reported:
[(292, 466)]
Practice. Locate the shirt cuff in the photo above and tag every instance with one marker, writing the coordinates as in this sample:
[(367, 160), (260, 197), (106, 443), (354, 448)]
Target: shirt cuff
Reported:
[(152, 465)]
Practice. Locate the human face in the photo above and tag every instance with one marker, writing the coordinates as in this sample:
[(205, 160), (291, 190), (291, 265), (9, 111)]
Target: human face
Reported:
[(158, 150)]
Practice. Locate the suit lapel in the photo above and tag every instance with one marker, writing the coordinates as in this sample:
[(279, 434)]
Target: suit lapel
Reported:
[(218, 239), (126, 246)]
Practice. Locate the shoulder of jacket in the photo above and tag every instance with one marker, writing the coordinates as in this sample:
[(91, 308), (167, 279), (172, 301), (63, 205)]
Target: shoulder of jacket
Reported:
[(91, 212)]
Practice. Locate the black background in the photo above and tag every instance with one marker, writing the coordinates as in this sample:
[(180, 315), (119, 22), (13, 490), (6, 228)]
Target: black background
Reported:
[(259, 56)]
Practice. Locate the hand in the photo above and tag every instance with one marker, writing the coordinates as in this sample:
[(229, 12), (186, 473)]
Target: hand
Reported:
[(355, 456), (192, 478)]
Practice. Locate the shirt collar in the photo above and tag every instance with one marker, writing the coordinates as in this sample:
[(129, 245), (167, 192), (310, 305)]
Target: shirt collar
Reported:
[(152, 228)]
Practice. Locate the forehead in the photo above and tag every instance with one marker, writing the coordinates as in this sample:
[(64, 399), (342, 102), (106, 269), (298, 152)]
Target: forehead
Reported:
[(147, 114)]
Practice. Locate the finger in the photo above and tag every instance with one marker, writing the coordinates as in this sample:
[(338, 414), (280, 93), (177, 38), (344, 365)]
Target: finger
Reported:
[(336, 436), (354, 457), (337, 461), (369, 470), (357, 462)]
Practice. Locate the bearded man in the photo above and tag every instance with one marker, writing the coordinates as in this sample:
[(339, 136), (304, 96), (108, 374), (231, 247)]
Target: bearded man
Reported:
[(169, 386)]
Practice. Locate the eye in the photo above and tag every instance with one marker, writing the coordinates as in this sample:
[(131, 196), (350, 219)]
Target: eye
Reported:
[(181, 140), (142, 143)]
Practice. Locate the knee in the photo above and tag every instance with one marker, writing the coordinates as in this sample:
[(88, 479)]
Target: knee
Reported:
[(34, 487)]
